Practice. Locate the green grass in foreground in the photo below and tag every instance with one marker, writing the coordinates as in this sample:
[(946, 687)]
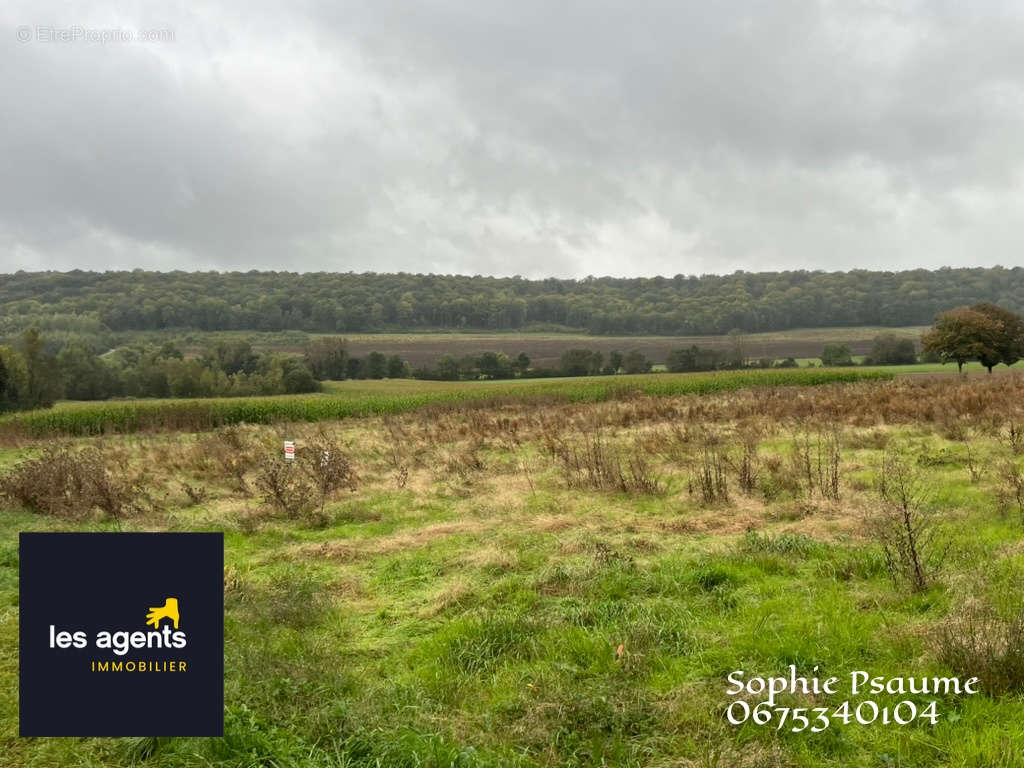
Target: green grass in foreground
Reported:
[(367, 398), (458, 624)]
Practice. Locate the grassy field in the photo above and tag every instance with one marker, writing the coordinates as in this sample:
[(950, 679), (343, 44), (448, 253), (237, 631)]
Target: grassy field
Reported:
[(550, 583), (972, 367), (358, 398), (544, 348)]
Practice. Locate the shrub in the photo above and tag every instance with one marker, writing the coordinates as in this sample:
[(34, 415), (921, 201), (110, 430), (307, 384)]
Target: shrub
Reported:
[(817, 463), (777, 478), (836, 354), (890, 349), (747, 471), (1014, 438), (114, 493), (636, 362), (906, 526), (1010, 495), (229, 453), (295, 486), (596, 465), (978, 642), (974, 469), (328, 468), (285, 486), (463, 463), (709, 478), (828, 457), (66, 483)]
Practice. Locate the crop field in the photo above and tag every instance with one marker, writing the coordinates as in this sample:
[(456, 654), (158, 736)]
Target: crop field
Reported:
[(544, 348), (569, 581), (357, 398), (363, 398)]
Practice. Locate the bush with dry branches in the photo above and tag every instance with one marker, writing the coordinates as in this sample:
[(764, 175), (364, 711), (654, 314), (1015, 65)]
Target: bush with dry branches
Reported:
[(64, 482), (709, 477), (306, 483), (905, 525), (595, 464)]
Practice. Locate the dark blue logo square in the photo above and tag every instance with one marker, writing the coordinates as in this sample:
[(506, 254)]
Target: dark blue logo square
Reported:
[(121, 634)]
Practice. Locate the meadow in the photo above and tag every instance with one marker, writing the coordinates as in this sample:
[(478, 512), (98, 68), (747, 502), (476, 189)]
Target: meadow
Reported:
[(568, 579)]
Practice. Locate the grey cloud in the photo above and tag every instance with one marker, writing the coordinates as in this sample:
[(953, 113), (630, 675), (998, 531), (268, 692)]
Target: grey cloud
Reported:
[(516, 138)]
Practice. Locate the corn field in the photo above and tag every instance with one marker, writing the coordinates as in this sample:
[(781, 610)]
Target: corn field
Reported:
[(379, 398)]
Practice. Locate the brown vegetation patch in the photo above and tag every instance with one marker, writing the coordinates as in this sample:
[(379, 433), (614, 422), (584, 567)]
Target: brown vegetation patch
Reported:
[(354, 549), (493, 557), (455, 593), (552, 523)]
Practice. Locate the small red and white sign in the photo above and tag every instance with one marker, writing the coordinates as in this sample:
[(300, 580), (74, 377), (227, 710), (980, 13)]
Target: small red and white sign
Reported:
[(289, 450)]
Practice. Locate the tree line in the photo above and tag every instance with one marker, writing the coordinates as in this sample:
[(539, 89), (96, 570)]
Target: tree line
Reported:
[(35, 373), (91, 303), (985, 332)]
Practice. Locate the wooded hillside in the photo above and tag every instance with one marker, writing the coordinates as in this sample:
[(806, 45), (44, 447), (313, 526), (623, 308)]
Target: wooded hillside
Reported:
[(348, 302)]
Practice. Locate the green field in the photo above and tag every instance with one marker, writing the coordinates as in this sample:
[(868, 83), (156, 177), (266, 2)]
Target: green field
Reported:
[(356, 398), (950, 368), (543, 582), (365, 398), (346, 399)]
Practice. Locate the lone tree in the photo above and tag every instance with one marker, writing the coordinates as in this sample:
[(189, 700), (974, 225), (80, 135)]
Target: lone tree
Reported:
[(1010, 342), (964, 334)]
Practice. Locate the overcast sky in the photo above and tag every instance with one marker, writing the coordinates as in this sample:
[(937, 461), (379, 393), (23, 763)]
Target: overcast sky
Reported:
[(530, 137)]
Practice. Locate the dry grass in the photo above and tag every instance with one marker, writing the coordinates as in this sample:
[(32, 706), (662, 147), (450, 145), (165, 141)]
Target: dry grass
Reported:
[(405, 541), (503, 456), (976, 641), (490, 562)]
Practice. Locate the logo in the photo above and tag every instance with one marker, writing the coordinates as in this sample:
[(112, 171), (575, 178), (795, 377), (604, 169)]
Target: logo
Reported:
[(169, 611), (121, 634)]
